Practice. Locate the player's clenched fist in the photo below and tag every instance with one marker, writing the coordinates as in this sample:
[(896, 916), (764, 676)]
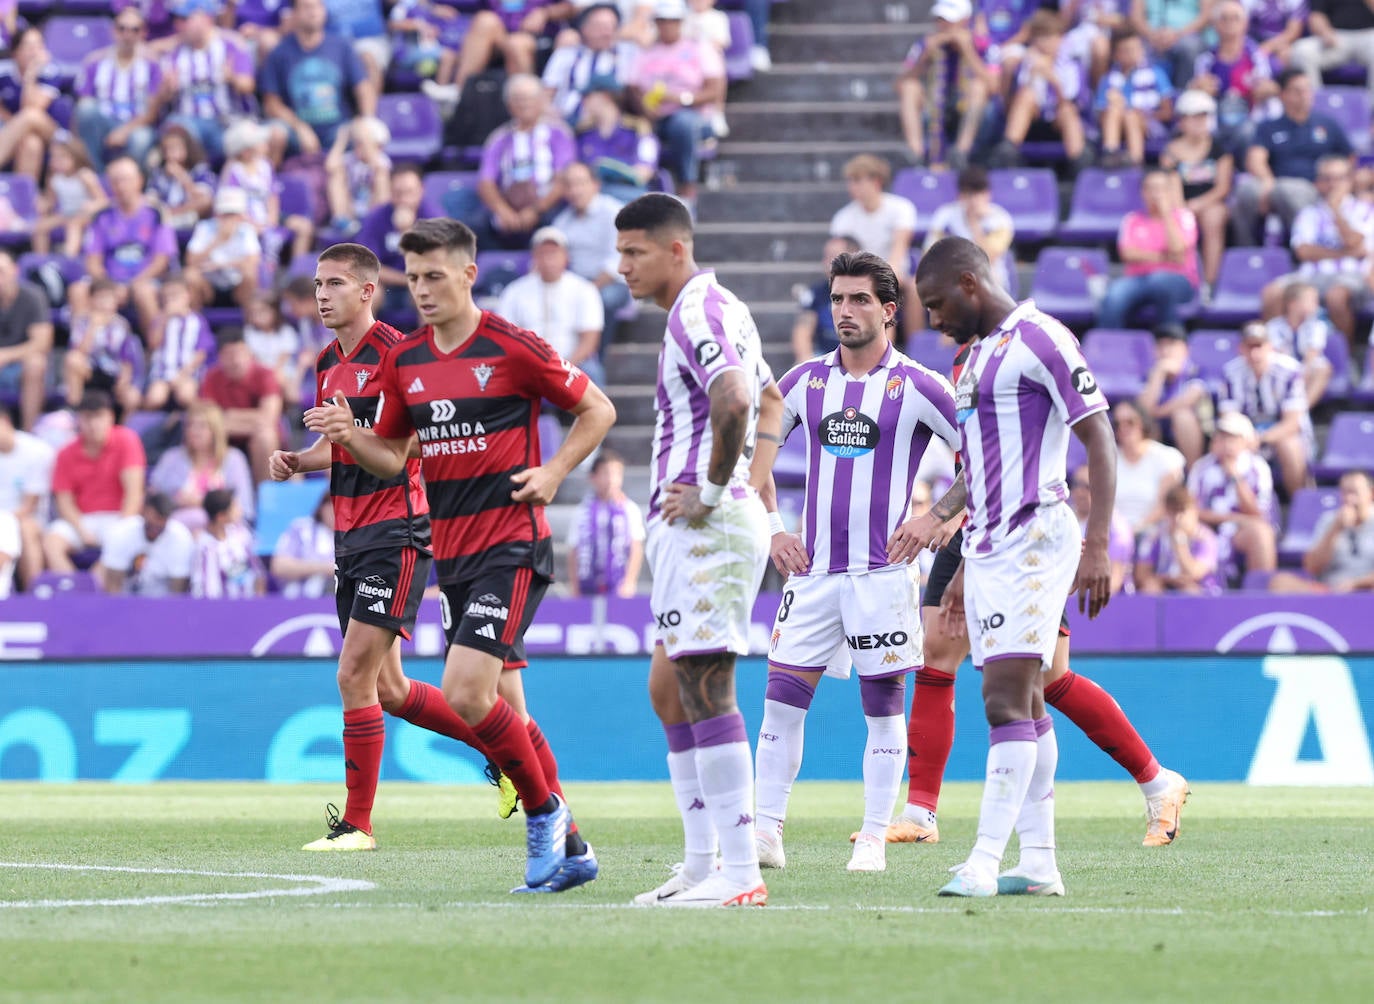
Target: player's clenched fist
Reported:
[(333, 420), (283, 464)]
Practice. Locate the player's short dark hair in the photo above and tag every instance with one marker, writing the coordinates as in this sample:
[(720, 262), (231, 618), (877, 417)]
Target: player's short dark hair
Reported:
[(229, 336), (950, 257), (974, 179), (607, 455), (439, 234), (217, 503), (160, 502), (360, 261), (655, 213), (866, 263), (1288, 75)]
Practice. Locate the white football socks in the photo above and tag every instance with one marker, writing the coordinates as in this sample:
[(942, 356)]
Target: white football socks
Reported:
[(699, 829), (1035, 824), (727, 781), (884, 762), (1011, 761), (778, 761)]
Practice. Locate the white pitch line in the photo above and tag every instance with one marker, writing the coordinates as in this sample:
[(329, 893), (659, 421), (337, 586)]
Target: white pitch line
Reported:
[(321, 885)]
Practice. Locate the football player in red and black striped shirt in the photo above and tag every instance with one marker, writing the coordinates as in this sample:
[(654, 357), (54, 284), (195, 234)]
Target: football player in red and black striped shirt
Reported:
[(381, 546), (468, 385)]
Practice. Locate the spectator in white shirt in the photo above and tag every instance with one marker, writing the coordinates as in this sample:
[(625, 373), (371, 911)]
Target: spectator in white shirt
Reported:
[(25, 484), (1267, 388), (588, 223), (882, 223), (1145, 467), (556, 304), (303, 560), (224, 253), (148, 555)]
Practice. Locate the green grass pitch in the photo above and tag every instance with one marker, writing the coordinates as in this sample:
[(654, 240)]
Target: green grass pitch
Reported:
[(1266, 892)]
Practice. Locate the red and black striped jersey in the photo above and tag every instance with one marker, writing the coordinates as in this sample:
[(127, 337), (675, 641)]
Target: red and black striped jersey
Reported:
[(369, 513), (476, 411)]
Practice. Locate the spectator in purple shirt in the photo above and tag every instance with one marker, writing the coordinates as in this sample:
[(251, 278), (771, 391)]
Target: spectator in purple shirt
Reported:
[(207, 79), (1180, 554), (1235, 494), (181, 346), (118, 91), (382, 228), (103, 353), (1276, 25), (258, 21), (157, 14), (520, 182), (27, 91), (1237, 74), (621, 151), (128, 243)]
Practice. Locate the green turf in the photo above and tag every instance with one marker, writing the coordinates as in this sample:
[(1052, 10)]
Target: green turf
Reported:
[(1266, 891)]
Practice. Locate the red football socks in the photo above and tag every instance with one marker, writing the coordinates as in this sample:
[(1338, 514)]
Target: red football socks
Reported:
[(930, 734), (504, 736), (1096, 712), (364, 736), (425, 706)]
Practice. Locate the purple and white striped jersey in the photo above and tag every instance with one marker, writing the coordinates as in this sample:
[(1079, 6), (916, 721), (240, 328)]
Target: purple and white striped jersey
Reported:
[(1265, 399), (1023, 387), (710, 331), (865, 437), (122, 92), (203, 77), (182, 337), (1215, 492)]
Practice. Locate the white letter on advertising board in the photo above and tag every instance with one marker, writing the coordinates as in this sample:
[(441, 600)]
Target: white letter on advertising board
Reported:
[(1315, 690)]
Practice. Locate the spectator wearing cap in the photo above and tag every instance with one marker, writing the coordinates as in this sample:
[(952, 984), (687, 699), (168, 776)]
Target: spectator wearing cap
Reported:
[(520, 181), (557, 304), (27, 90), (382, 228), (1206, 168), (26, 339), (250, 397), (1300, 331), (26, 464), (1236, 73), (599, 53), (620, 150), (207, 77), (1333, 239), (1267, 387), (1235, 493), (943, 77), (1159, 247), (312, 83), (1281, 161), (1339, 32), (882, 222), (679, 83), (588, 222), (119, 95), (813, 329), (1341, 559), (303, 558), (97, 481), (975, 217), (1174, 394), (127, 243), (226, 564), (224, 253), (148, 555), (1179, 554)]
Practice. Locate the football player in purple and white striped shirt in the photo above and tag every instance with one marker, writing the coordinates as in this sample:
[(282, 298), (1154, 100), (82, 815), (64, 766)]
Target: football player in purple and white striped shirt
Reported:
[(867, 414), (1024, 386), (707, 547)]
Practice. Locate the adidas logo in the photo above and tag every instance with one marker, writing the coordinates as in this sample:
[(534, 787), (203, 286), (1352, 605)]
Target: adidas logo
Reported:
[(487, 631), (378, 608), (416, 387)]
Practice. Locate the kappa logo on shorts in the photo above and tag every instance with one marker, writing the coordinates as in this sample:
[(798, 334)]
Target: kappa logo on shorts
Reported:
[(486, 631), (701, 578), (704, 633), (1033, 610), (890, 658), (1032, 638), (700, 551), (704, 606), (1032, 561), (671, 638), (1034, 585)]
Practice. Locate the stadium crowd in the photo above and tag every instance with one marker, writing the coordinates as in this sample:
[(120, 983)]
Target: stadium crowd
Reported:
[(170, 167)]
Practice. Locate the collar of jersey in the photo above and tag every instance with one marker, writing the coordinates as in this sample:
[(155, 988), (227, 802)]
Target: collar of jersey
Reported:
[(885, 363), (688, 285)]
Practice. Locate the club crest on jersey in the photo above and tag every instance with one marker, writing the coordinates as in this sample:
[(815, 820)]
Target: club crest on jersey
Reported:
[(483, 373), (894, 388), (362, 376), (848, 433), (1001, 348)]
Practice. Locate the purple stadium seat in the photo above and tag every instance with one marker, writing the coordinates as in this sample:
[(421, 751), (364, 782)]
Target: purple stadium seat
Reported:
[(1349, 446), (1119, 359), (72, 39), (1031, 196), (1244, 273), (1364, 393), (416, 129), (223, 317), (1211, 350), (46, 585), (933, 351), (927, 190), (737, 65), (1100, 199), (1077, 457), (550, 436), (296, 196), (497, 269), (1061, 285), (1256, 582), (438, 185), (1338, 355), (1347, 74), (1350, 107), (22, 194), (789, 470), (1308, 506)]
